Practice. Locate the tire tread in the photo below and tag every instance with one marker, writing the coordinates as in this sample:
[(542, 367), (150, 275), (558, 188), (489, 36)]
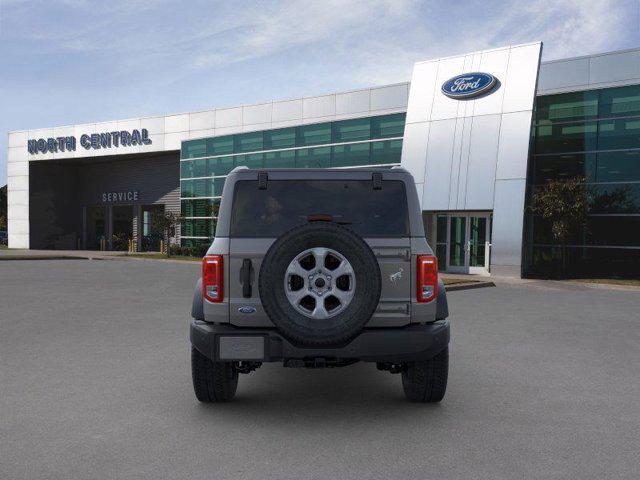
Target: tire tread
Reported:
[(212, 381), (426, 381)]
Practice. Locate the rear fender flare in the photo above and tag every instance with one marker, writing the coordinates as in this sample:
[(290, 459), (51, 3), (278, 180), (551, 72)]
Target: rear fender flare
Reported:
[(197, 307), (442, 307)]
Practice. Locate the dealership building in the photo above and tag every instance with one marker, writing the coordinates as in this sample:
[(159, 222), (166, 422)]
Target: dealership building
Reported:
[(481, 133)]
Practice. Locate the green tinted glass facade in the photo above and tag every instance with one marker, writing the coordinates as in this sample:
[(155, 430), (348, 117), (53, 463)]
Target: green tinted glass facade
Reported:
[(596, 135), (205, 163)]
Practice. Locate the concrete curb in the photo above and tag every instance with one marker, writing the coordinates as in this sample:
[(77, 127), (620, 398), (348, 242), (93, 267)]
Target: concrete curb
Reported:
[(92, 257), (600, 285), (168, 260), (45, 257), (468, 286)]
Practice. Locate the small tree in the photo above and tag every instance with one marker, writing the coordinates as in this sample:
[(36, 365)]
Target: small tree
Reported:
[(166, 223), (565, 204)]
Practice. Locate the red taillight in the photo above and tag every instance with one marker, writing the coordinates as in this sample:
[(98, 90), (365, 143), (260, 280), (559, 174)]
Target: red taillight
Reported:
[(212, 278), (427, 278)]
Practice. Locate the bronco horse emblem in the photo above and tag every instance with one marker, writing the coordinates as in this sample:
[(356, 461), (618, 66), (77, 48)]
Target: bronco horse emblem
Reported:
[(394, 277)]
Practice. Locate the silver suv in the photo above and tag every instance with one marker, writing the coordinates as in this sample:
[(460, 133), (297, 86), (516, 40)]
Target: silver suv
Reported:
[(319, 268)]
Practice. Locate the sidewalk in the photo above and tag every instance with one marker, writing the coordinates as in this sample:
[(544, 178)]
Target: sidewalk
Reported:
[(20, 254), (455, 282), (452, 280)]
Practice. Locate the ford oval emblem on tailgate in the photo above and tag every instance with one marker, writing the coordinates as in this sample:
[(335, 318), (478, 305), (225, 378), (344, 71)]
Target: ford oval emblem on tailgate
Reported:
[(247, 310)]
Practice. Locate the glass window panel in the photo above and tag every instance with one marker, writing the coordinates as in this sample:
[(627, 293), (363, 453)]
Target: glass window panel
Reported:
[(615, 198), (618, 167), (441, 254), (283, 159), (620, 102), (214, 207), (586, 262), (186, 188), (616, 134), (248, 142), (198, 167), (542, 233), (313, 134), (280, 138), (220, 145), (457, 241), (350, 155), (196, 188), (194, 148), (388, 151), (220, 165), (313, 157), (287, 203), (201, 188), (441, 229), (197, 228), (574, 137), (566, 107), (551, 167), (194, 243), (253, 160), (200, 208), (477, 241), (186, 169), (387, 126), (613, 230), (216, 186), (352, 130)]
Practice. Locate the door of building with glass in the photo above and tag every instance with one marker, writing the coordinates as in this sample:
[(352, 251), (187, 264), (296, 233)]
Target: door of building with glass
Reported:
[(151, 232), (463, 242), (121, 227), (96, 228)]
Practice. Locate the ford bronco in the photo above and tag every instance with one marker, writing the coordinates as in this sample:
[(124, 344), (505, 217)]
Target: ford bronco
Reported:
[(319, 268)]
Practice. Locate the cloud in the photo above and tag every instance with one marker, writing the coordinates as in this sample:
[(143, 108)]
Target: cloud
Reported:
[(286, 25), (378, 39)]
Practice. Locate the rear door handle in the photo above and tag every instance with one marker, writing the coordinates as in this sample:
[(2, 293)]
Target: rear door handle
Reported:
[(245, 277)]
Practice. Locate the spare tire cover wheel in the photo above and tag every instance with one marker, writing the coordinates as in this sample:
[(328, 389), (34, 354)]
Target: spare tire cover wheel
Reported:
[(319, 284)]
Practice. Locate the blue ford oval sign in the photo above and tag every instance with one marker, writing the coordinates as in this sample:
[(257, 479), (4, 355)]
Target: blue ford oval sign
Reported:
[(469, 85)]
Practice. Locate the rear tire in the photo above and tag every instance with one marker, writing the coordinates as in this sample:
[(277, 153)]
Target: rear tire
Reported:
[(213, 381), (427, 381)]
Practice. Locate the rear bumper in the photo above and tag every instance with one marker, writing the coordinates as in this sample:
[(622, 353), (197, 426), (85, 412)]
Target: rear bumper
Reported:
[(394, 345)]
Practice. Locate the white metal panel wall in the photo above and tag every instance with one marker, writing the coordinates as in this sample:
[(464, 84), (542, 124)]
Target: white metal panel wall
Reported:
[(603, 70), (476, 150)]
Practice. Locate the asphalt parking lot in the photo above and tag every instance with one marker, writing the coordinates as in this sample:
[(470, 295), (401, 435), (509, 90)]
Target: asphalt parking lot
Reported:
[(95, 384)]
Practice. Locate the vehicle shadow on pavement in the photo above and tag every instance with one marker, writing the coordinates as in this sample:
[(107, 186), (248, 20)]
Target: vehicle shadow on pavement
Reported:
[(291, 396)]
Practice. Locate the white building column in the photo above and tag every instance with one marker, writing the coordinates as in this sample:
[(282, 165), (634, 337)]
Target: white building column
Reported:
[(18, 190)]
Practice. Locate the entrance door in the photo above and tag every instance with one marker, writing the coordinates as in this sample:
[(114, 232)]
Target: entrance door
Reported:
[(151, 233), (478, 245), (96, 227), (466, 247), (457, 261), (122, 227)]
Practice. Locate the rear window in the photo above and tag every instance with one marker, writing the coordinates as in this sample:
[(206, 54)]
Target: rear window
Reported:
[(288, 203)]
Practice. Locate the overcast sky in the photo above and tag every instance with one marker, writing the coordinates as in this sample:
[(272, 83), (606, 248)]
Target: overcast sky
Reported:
[(74, 61)]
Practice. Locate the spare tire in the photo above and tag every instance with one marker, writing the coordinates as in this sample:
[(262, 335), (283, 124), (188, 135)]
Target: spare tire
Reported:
[(319, 284)]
